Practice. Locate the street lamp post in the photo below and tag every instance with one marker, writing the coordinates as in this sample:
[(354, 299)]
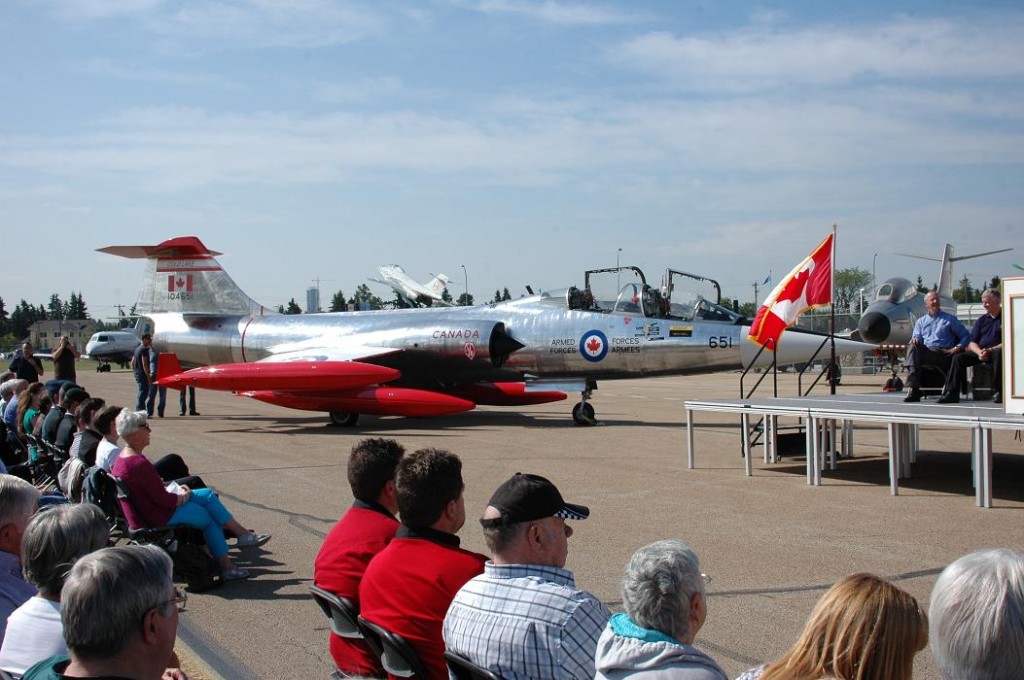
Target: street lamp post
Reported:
[(618, 282), (874, 286), (465, 281)]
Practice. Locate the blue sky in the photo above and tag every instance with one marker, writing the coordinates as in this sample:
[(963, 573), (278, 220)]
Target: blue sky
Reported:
[(528, 140)]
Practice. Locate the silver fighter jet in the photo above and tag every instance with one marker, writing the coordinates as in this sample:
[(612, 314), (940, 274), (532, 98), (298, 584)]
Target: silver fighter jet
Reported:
[(422, 362)]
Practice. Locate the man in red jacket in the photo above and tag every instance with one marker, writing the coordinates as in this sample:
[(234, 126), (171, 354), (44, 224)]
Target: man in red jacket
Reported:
[(361, 533), (408, 586)]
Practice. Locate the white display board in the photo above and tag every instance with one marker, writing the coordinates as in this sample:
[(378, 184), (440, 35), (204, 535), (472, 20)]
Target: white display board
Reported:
[(1013, 345)]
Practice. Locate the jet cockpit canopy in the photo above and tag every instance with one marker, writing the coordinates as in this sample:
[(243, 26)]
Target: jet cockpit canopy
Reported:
[(896, 291)]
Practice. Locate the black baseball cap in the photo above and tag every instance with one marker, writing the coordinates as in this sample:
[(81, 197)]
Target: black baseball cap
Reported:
[(525, 497)]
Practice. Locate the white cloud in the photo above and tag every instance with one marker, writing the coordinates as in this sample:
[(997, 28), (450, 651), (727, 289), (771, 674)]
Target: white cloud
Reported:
[(236, 23), (91, 10), (360, 91), (108, 68), (764, 57), (559, 13)]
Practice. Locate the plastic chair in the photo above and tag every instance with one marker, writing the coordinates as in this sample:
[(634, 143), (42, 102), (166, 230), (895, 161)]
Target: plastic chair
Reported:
[(341, 612), (396, 654), (464, 669)]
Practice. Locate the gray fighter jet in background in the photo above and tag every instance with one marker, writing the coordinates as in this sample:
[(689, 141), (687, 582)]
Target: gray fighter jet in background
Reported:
[(890, 318)]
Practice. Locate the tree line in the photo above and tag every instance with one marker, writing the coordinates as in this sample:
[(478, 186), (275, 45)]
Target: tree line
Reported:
[(15, 324), (365, 299)]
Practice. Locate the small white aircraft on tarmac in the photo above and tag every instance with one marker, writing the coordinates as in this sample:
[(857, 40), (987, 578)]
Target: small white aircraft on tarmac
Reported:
[(416, 293), (112, 346)]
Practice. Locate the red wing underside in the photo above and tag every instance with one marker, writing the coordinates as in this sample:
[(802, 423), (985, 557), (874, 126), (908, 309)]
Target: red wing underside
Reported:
[(382, 401), (343, 386), (293, 376)]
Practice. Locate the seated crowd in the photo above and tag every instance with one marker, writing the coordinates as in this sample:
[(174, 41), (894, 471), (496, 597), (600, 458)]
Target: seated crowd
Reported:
[(63, 460), (519, 613)]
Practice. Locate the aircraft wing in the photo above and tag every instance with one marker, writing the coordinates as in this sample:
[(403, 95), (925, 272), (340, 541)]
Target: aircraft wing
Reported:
[(320, 352)]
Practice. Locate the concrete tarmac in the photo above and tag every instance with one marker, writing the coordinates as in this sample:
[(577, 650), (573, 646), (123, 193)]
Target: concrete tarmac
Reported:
[(771, 543)]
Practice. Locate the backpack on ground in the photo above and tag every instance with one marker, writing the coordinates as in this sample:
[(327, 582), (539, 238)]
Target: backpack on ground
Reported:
[(195, 566)]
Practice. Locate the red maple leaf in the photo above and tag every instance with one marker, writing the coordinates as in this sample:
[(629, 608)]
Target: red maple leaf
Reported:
[(594, 346), (180, 282)]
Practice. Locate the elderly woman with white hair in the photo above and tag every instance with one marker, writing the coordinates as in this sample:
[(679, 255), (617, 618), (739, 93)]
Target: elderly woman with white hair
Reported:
[(150, 504), (977, 616), (666, 604)]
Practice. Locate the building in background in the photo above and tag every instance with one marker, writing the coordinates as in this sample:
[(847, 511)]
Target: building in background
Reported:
[(312, 300)]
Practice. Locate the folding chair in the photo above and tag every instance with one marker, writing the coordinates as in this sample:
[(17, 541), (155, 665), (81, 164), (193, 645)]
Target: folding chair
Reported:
[(464, 669), (344, 619), (341, 612), (396, 654)]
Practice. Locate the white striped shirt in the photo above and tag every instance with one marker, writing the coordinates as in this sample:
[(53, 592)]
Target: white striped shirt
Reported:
[(526, 621)]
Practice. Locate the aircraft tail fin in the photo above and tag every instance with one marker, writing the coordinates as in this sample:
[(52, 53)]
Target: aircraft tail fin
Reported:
[(167, 364), (437, 284), (183, 275), (946, 267)]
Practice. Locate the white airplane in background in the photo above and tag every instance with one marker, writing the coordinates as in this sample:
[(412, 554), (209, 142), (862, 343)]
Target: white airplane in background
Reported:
[(112, 346), (416, 293)]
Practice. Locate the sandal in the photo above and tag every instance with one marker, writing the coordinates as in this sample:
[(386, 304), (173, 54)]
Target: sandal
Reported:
[(251, 540), (234, 574)]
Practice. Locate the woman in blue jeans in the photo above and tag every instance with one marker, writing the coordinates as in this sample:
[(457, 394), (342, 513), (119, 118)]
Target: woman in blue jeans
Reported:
[(150, 504)]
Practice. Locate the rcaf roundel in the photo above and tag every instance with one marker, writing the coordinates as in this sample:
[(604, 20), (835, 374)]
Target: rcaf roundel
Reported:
[(594, 345)]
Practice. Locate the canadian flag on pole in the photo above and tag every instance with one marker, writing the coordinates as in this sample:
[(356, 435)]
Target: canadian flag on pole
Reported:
[(809, 285)]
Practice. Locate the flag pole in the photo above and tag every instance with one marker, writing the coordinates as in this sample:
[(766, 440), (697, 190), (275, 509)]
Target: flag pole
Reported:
[(832, 334)]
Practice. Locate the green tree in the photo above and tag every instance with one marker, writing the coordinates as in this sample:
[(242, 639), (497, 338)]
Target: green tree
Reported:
[(4, 322), (75, 307), (56, 307), (496, 298), (293, 307), (23, 316), (338, 303), (365, 299), (445, 295), (921, 288), (848, 283), (964, 293), (465, 300), (506, 295)]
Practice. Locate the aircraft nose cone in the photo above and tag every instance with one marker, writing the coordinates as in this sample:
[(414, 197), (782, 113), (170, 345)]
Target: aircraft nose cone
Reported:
[(874, 328)]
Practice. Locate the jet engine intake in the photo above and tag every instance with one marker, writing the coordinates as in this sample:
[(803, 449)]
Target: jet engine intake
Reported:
[(473, 341)]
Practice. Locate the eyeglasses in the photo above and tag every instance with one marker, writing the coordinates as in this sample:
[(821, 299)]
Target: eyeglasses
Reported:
[(146, 427), (706, 578), (180, 598)]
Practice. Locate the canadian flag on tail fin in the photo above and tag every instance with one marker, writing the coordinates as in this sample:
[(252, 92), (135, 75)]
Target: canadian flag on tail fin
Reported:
[(809, 285), (177, 283)]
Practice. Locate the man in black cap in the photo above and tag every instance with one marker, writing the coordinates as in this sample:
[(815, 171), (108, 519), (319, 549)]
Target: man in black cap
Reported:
[(524, 616)]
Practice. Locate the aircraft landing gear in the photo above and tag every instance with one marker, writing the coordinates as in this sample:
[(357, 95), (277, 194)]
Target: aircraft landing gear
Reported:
[(344, 418), (583, 413)]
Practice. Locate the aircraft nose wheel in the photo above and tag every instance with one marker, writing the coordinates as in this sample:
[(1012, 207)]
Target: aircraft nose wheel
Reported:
[(583, 414), (344, 419)]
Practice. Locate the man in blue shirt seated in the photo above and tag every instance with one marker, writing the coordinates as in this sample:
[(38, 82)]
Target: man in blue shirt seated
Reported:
[(986, 347), (937, 338), (524, 617)]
